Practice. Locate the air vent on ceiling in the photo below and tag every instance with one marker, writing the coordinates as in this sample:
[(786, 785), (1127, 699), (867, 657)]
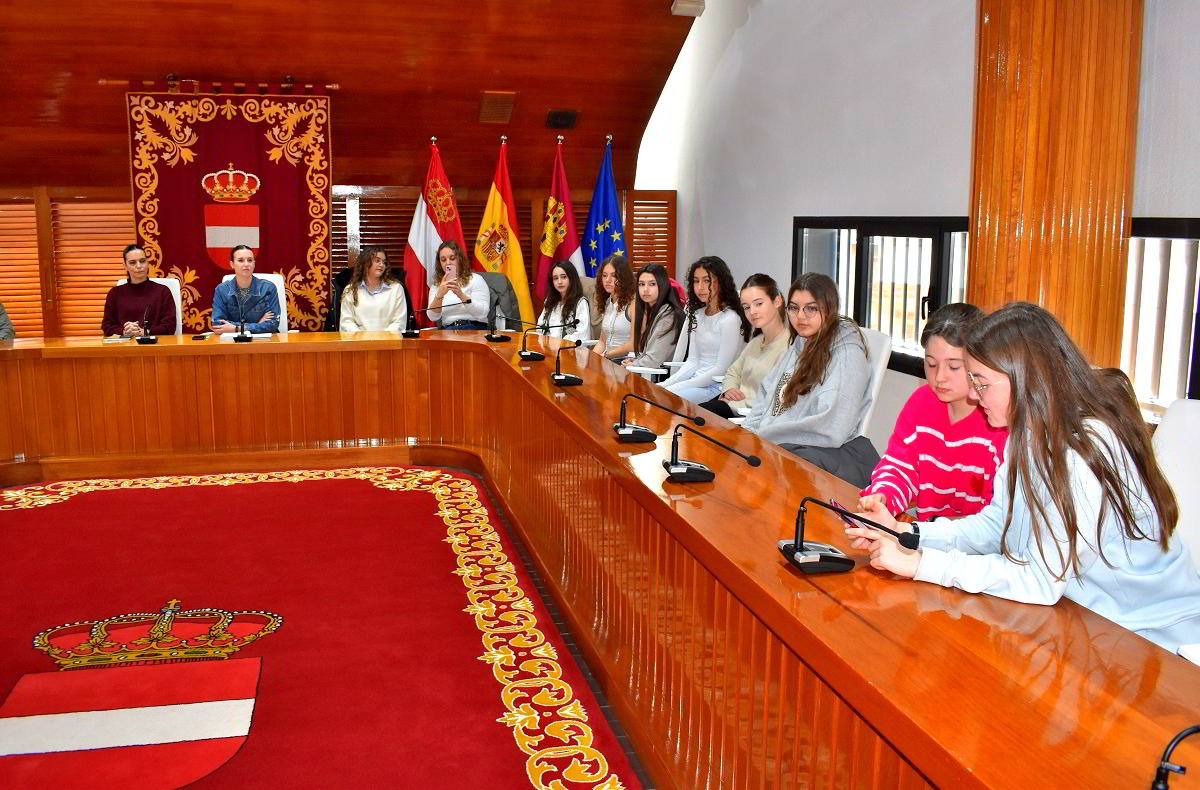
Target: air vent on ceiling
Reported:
[(496, 106), (561, 119)]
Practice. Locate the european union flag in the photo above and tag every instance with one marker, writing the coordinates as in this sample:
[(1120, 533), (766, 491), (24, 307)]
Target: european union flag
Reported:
[(604, 235)]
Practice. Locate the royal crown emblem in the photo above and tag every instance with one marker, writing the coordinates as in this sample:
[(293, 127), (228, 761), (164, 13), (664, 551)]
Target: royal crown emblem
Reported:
[(230, 186), (171, 634), (440, 200)]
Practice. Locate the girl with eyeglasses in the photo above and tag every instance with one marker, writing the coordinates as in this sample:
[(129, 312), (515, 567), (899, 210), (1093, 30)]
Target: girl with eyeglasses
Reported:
[(817, 394), (715, 332), (943, 455), (1081, 509)]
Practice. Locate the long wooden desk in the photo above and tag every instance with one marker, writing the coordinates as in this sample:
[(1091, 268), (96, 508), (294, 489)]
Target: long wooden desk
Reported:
[(727, 668)]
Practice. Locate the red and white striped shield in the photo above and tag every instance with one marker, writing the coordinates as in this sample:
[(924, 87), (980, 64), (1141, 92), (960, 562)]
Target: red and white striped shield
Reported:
[(226, 225), (137, 727)]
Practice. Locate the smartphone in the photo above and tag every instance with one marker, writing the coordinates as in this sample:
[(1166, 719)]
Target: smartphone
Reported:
[(851, 522)]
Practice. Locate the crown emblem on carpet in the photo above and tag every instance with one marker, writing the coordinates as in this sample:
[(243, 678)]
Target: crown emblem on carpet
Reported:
[(230, 186), (170, 634)]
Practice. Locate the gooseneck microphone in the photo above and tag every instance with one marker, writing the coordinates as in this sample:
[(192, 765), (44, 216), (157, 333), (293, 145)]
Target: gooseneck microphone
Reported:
[(146, 339), (812, 556), (683, 471), (628, 432), (1165, 767), (493, 336), (411, 331), (565, 379), (537, 356), (241, 336)]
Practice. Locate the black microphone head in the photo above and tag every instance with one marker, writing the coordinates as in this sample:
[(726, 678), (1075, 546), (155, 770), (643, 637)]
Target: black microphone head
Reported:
[(698, 420), (754, 460)]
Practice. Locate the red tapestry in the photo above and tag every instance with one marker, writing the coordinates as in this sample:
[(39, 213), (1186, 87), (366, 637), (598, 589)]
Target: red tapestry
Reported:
[(211, 171)]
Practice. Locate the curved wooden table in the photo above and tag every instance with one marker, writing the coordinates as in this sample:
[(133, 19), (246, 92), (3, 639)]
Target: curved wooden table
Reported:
[(727, 668)]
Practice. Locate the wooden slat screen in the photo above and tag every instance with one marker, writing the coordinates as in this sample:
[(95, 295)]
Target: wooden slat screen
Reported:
[(338, 240), (88, 239), (650, 227), (384, 222), (20, 282)]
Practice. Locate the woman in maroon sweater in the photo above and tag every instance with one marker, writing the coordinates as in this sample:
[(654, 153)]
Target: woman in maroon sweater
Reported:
[(126, 306)]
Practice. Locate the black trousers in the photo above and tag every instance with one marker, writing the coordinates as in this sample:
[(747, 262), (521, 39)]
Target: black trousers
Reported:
[(719, 407)]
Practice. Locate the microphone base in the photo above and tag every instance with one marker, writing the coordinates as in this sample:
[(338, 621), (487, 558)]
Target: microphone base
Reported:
[(146, 340), (240, 338), (532, 356), (566, 379), (410, 333), (495, 337), (634, 434), (682, 471), (814, 557)]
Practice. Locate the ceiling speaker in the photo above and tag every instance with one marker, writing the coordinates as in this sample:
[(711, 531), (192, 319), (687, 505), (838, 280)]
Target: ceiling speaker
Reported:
[(561, 119)]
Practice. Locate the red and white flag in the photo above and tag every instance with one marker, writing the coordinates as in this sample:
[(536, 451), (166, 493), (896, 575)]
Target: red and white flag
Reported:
[(147, 726), (560, 240), (435, 221)]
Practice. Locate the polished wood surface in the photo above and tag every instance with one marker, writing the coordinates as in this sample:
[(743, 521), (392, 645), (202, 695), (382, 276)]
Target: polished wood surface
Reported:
[(1056, 102), (727, 668), (405, 71)]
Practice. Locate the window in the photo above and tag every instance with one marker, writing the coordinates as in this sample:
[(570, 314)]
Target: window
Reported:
[(891, 271), (1159, 344)]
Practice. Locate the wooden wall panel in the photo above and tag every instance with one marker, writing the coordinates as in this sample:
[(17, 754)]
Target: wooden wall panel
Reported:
[(1052, 175)]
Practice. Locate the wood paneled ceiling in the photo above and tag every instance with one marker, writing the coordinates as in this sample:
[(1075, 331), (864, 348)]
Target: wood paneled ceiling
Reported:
[(406, 70)]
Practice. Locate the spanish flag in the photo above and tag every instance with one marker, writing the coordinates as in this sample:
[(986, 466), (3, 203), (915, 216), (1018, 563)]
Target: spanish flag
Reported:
[(498, 243)]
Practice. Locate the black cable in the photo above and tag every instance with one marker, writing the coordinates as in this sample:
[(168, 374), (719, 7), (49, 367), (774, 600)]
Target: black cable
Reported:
[(1165, 766)]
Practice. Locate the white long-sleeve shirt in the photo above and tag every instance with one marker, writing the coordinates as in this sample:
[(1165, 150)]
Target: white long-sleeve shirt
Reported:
[(454, 310), (1149, 591), (714, 345), (583, 312), (386, 309)]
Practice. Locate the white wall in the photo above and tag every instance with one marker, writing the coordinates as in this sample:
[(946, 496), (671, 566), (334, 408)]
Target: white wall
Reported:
[(1167, 167), (783, 108)]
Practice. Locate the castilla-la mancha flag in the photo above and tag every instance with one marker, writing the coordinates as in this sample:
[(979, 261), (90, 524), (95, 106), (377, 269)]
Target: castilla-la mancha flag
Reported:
[(435, 221), (498, 244), (560, 239)]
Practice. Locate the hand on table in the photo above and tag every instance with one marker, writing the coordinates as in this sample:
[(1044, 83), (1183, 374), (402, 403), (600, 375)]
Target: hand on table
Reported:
[(132, 329), (733, 395), (886, 553)]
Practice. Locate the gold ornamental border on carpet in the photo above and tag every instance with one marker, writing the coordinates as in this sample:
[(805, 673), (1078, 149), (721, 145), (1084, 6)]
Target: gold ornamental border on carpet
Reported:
[(548, 723)]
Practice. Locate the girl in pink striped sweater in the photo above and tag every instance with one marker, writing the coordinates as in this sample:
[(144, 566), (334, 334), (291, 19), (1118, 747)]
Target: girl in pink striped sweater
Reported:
[(943, 455)]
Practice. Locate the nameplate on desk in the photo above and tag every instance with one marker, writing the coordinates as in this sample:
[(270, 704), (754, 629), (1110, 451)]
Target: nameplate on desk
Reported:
[(646, 371), (114, 340)]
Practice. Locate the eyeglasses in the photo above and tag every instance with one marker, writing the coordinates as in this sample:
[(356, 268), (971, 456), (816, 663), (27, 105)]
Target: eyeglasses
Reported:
[(979, 388), (810, 310)]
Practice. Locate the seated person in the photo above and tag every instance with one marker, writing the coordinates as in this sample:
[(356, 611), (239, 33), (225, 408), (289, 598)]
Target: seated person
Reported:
[(6, 327), (462, 299), (763, 306), (943, 455), (817, 394), (657, 318), (1081, 509), (715, 332), (138, 300), (245, 298), (614, 302), (565, 303), (374, 299)]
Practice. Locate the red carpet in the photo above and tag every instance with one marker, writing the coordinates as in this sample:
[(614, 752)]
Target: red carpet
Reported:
[(412, 649)]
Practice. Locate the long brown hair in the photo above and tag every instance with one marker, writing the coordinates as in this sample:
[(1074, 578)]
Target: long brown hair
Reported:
[(464, 268), (360, 270), (644, 317), (570, 302), (818, 350), (727, 293), (625, 288), (1053, 391)]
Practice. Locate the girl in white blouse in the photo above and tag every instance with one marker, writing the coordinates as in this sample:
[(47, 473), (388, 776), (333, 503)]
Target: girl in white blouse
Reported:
[(374, 300), (614, 300), (462, 299), (715, 333), (763, 305), (565, 303)]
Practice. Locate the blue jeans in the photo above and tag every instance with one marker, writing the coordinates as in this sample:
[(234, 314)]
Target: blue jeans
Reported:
[(696, 394)]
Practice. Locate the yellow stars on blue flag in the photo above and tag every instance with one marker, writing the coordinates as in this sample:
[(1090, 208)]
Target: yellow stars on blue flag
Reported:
[(604, 232)]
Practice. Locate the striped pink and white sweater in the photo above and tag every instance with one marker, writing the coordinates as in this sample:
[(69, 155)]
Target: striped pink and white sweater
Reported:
[(942, 469)]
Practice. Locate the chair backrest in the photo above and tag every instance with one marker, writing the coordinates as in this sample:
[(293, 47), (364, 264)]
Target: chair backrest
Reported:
[(1175, 443), (879, 350), (275, 279), (589, 293), (502, 300), (173, 284)]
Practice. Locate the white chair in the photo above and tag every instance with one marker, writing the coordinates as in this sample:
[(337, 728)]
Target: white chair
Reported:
[(275, 279), (879, 350), (1175, 444), (173, 284)]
